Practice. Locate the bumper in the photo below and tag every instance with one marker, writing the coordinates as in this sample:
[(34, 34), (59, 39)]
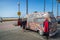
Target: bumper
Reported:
[(52, 34)]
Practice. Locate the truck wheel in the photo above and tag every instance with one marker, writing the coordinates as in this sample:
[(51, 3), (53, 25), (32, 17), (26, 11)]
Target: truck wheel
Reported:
[(27, 28)]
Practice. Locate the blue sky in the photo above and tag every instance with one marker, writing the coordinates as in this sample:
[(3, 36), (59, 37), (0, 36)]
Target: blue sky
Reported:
[(9, 8)]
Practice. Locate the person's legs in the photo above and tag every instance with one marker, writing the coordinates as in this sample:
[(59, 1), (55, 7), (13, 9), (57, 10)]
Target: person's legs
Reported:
[(23, 27), (44, 34), (47, 35)]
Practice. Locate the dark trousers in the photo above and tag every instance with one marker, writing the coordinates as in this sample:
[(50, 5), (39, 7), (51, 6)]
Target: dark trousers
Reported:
[(46, 34), (23, 26)]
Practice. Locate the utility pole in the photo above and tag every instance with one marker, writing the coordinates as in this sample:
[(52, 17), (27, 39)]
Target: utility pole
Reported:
[(26, 6), (57, 10), (52, 6), (27, 11), (44, 5), (58, 1)]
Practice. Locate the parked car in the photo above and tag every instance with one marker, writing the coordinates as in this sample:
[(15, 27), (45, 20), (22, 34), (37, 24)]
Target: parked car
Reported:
[(35, 22), (58, 20)]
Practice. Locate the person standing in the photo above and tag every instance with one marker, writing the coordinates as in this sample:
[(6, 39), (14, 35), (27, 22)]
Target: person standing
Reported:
[(24, 22), (46, 28), (19, 22)]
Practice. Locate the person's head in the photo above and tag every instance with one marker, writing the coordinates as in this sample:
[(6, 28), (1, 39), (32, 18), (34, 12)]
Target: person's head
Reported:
[(46, 18)]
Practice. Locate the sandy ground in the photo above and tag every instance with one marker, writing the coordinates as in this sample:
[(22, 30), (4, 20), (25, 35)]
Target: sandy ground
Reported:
[(8, 31), (5, 26)]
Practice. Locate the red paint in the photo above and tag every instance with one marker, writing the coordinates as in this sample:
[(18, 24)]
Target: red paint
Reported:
[(46, 26)]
